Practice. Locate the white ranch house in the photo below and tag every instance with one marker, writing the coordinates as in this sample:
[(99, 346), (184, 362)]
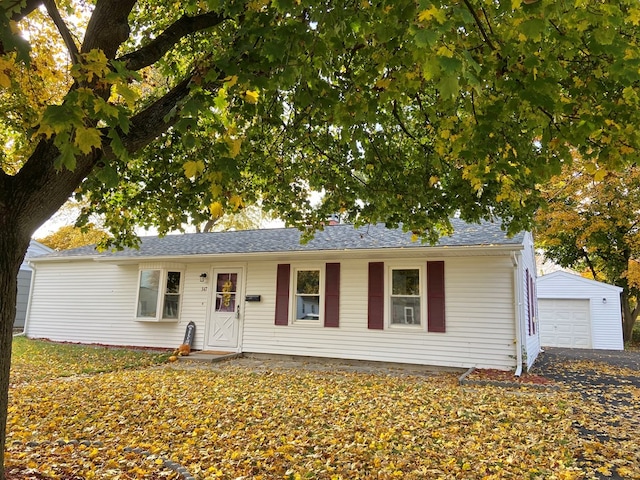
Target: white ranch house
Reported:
[(367, 294)]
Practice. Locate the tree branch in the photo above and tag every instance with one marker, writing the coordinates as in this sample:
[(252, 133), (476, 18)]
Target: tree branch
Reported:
[(108, 27), (585, 255), (154, 50), (29, 7), (477, 20), (147, 124), (52, 9)]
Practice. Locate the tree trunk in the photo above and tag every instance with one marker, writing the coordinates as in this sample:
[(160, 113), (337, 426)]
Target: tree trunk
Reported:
[(13, 248), (629, 316)]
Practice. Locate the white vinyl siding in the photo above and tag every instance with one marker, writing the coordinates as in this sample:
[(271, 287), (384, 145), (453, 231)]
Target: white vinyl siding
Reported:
[(480, 319), (530, 339), (94, 302)]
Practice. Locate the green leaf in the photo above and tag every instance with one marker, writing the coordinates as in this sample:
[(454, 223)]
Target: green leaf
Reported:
[(108, 176), (188, 140), (449, 86), (117, 146), (67, 157), (604, 36), (450, 66), (426, 37), (533, 29)]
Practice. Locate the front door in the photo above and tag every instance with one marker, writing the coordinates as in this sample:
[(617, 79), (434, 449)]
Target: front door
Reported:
[(225, 317)]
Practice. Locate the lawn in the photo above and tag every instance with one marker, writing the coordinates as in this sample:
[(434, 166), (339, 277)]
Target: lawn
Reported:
[(237, 420)]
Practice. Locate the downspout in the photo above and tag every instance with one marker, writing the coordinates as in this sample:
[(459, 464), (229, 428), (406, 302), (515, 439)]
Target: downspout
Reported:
[(516, 311)]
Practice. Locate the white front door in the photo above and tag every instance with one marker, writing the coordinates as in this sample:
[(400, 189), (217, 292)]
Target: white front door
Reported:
[(226, 313)]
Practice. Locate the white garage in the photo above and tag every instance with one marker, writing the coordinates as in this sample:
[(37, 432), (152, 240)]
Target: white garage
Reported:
[(575, 312)]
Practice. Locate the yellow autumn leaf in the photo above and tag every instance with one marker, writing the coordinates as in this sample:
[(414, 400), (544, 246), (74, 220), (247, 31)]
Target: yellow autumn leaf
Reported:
[(5, 81), (383, 83), (251, 96), (87, 139), (230, 81), (432, 12), (236, 201), (216, 209), (193, 168), (234, 145), (600, 174)]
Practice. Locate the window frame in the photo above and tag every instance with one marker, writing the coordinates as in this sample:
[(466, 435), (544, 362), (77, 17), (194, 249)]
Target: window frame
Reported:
[(422, 297), (319, 321), (162, 294)]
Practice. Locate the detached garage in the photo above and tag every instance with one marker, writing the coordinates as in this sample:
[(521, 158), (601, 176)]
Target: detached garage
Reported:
[(575, 312)]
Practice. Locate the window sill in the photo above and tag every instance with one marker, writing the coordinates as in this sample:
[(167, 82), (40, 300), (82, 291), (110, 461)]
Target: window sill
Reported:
[(157, 320), (307, 323), (406, 326)]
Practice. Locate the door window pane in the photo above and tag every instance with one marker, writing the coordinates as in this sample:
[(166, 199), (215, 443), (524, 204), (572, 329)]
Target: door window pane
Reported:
[(226, 289)]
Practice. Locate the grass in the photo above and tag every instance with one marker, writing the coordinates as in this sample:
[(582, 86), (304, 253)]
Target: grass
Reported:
[(38, 360)]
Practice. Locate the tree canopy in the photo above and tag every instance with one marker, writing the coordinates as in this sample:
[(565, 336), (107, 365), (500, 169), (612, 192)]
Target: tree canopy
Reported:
[(70, 236), (592, 223), (398, 111)]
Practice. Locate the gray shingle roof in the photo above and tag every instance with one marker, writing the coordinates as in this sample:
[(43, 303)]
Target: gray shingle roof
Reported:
[(337, 237)]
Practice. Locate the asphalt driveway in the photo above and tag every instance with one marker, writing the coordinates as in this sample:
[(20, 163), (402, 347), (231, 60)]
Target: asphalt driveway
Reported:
[(609, 383)]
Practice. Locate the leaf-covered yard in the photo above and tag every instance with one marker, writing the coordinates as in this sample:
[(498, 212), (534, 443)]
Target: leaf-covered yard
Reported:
[(245, 419)]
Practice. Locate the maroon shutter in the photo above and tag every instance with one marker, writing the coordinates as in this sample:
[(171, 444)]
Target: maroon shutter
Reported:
[(435, 297), (529, 310), (532, 304), (376, 295), (332, 295), (534, 289), (282, 294)]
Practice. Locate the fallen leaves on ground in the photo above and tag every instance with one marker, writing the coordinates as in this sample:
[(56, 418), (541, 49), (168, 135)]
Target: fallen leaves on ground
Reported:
[(41, 360), (506, 376), (84, 461), (236, 422), (261, 420)]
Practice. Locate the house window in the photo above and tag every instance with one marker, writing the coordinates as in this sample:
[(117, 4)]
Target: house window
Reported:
[(307, 298), (405, 296), (305, 286), (159, 295)]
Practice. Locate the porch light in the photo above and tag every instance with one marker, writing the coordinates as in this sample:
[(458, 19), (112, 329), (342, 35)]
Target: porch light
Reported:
[(203, 277)]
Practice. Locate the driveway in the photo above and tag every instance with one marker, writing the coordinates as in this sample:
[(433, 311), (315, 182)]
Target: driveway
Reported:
[(609, 415)]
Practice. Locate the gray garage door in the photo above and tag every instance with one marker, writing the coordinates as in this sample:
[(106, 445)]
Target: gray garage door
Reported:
[(564, 323)]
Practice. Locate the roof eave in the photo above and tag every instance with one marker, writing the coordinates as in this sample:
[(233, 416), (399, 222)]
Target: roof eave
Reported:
[(400, 252)]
